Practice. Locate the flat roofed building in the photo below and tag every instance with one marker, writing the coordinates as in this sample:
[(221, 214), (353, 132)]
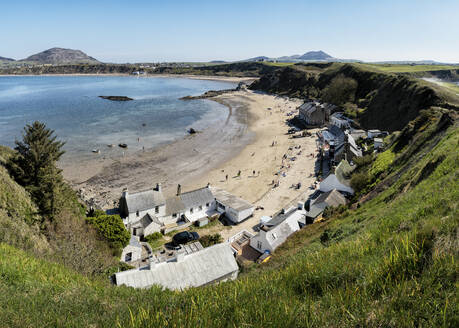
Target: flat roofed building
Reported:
[(209, 265), (236, 209)]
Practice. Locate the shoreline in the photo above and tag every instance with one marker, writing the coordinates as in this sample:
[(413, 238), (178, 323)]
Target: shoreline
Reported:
[(244, 142), (234, 79)]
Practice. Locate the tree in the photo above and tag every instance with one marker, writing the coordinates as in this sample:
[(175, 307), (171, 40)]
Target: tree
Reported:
[(34, 166), (340, 90), (111, 227)]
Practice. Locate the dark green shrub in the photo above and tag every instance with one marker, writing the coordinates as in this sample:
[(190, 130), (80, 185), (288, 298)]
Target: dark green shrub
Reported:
[(154, 236), (340, 90), (359, 181), (111, 227), (210, 240)]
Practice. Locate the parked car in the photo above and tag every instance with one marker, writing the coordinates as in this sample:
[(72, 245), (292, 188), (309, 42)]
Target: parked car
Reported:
[(184, 237)]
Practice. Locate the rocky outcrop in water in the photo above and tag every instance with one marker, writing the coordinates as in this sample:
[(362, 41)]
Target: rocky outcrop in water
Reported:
[(116, 98)]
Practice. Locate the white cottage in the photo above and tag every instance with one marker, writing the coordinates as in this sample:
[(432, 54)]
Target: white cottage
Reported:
[(235, 209), (133, 251), (147, 211), (275, 232)]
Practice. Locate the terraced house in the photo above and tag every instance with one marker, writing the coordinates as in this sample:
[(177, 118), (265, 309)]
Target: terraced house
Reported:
[(146, 212)]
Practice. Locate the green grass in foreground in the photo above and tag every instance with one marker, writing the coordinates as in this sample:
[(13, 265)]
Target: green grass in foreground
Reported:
[(390, 263)]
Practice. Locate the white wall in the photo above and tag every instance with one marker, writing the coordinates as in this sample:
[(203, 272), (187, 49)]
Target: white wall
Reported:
[(136, 253), (238, 216), (161, 212), (260, 243)]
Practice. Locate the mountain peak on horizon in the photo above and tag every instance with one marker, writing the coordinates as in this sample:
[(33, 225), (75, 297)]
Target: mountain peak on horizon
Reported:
[(315, 55), (58, 55)]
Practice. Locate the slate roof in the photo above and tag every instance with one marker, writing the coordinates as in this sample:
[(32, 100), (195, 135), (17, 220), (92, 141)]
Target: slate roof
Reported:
[(314, 211), (196, 197), (279, 218), (174, 205), (230, 200), (144, 200), (134, 242), (196, 269), (332, 198), (283, 230)]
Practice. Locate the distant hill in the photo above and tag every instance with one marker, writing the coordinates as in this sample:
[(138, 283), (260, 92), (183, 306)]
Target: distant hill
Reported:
[(6, 59), (308, 56), (315, 55), (258, 58), (61, 56)]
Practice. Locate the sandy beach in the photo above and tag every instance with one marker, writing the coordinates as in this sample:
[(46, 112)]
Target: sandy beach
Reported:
[(252, 139)]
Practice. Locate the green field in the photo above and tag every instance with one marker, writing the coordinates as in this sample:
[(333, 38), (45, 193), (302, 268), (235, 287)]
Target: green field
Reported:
[(394, 68)]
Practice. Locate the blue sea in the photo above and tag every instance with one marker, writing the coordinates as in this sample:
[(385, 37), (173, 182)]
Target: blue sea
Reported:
[(70, 105)]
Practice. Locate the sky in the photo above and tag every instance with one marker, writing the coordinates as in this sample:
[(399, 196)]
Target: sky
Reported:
[(195, 30)]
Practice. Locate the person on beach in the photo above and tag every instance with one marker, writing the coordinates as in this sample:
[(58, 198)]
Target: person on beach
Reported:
[(239, 174), (253, 172), (226, 177)]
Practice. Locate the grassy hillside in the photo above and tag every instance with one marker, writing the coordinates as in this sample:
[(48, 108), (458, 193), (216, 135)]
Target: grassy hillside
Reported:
[(68, 240), (382, 100)]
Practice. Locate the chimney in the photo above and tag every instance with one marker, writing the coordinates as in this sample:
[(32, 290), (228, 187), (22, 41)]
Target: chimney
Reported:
[(125, 193), (208, 184), (179, 189), (158, 187)]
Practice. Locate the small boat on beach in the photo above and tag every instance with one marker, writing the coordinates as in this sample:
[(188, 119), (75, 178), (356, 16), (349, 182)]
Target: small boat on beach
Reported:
[(122, 145), (97, 151)]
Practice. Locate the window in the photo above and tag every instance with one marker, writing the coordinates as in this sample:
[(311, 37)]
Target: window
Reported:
[(259, 244), (137, 213), (191, 210), (207, 204), (200, 207), (128, 257), (174, 215), (156, 209), (273, 235)]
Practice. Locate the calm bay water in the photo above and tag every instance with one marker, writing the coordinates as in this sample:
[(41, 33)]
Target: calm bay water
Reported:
[(70, 105)]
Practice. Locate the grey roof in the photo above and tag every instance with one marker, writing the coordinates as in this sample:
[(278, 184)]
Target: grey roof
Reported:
[(196, 269), (144, 200), (332, 198), (134, 242), (196, 197), (230, 200), (283, 230), (314, 211), (279, 218), (146, 220), (174, 205)]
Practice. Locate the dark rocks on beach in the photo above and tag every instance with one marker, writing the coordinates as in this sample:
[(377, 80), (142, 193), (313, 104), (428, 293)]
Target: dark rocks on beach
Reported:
[(116, 98), (122, 145), (192, 131)]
